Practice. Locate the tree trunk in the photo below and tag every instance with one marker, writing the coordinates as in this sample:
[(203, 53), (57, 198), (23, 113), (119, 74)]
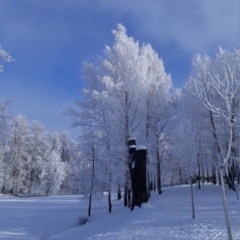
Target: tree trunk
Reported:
[(149, 188), (192, 199), (203, 176), (92, 180), (109, 191), (125, 195), (109, 202), (208, 177), (132, 170), (4, 178), (180, 176), (110, 183), (147, 140), (230, 178), (172, 181), (199, 172), (127, 190), (90, 204), (228, 224), (236, 184), (119, 194), (214, 177), (129, 196), (159, 182)]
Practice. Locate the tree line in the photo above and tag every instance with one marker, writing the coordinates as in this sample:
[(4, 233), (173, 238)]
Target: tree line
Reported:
[(34, 162)]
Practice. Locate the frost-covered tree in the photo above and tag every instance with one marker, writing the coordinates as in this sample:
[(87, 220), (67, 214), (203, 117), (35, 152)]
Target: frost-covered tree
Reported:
[(125, 96), (121, 78), (103, 123), (38, 150), (112, 97), (19, 155), (53, 173), (155, 86), (202, 67), (185, 143), (5, 117), (93, 115), (64, 147), (224, 88), (70, 155)]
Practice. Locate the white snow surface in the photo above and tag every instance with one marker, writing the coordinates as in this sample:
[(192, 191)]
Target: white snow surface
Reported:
[(165, 217), (132, 146)]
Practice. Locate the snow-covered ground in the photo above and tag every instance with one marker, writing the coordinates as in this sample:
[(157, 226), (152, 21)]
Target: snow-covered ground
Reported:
[(165, 217)]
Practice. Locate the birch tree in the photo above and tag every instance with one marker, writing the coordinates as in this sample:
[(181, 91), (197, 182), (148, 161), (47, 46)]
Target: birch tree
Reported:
[(185, 144), (93, 115), (224, 82), (121, 79), (156, 86)]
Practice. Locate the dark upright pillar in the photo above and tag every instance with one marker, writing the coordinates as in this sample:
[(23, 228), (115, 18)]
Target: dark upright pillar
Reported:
[(141, 178)]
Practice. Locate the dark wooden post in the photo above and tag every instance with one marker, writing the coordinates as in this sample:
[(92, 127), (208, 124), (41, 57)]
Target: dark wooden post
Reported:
[(141, 177), (137, 169)]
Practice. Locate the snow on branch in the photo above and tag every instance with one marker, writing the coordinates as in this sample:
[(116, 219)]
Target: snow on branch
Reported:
[(4, 57)]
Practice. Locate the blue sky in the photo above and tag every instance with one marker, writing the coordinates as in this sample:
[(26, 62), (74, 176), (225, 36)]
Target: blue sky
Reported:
[(49, 39)]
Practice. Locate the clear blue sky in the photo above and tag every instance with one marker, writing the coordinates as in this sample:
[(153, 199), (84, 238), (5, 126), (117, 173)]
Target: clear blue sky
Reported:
[(49, 39)]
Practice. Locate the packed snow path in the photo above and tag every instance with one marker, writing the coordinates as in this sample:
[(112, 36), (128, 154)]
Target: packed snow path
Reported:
[(165, 217)]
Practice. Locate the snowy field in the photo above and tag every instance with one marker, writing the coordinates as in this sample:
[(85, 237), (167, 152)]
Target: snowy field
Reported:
[(165, 217)]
